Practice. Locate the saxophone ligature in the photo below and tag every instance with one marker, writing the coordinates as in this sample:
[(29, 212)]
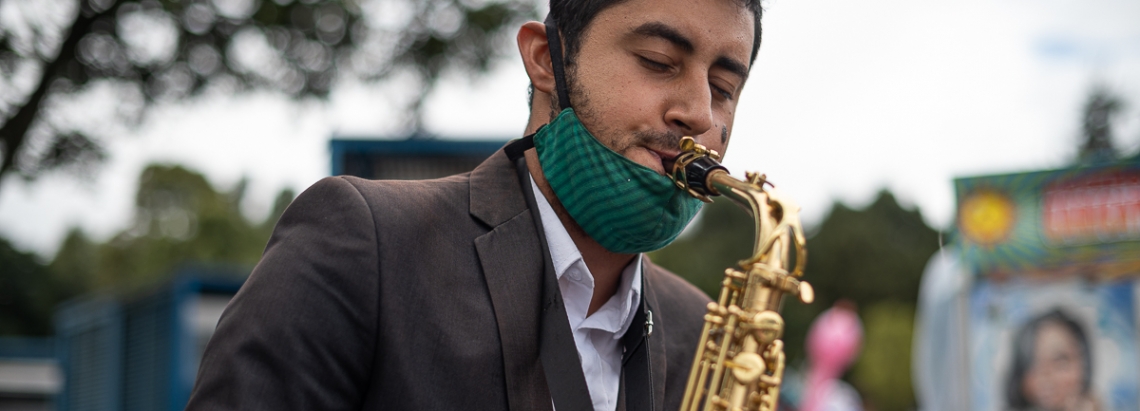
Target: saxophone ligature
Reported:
[(739, 363)]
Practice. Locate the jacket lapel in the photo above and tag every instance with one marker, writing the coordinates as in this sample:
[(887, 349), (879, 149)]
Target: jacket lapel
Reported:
[(512, 267)]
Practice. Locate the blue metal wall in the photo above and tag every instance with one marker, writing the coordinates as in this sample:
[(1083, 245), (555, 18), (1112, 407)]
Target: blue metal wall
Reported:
[(147, 362), (134, 353), (89, 334), (30, 373), (415, 158)]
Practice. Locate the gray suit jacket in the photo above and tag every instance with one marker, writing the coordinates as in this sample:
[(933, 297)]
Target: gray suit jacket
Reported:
[(411, 295)]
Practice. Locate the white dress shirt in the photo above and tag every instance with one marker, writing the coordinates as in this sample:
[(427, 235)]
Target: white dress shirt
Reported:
[(597, 336)]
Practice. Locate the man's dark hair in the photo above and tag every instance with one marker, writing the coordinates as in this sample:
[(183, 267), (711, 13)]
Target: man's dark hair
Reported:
[(574, 16), (1023, 346)]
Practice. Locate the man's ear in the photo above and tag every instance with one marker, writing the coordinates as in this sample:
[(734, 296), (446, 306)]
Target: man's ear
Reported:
[(535, 51)]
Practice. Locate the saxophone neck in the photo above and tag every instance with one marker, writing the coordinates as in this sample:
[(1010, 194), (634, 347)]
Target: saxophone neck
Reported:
[(739, 363), (776, 217)]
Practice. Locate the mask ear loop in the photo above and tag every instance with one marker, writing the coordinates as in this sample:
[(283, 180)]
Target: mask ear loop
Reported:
[(555, 45)]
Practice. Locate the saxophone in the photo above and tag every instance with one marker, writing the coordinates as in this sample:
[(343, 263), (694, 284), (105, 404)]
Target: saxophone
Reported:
[(739, 362)]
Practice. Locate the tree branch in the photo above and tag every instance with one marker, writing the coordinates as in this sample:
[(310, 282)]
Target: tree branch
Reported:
[(14, 131)]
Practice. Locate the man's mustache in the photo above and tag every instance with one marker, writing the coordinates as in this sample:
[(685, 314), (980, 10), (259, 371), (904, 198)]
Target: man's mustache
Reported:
[(661, 140)]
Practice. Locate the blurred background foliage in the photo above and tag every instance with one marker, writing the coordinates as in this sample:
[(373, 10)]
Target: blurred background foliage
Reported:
[(28, 293), (179, 219), (148, 51), (873, 257), (151, 51), (1101, 108)]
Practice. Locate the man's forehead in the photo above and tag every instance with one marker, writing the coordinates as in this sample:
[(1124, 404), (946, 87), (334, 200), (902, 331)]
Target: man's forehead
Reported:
[(721, 27)]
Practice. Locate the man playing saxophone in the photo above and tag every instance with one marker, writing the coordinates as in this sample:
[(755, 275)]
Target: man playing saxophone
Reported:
[(522, 284)]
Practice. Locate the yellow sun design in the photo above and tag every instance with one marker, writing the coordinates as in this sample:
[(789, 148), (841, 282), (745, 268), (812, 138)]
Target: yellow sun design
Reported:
[(986, 217)]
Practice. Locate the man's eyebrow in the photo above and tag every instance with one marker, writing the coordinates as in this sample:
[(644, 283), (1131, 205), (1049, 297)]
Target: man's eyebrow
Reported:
[(658, 29), (663, 31), (733, 66)]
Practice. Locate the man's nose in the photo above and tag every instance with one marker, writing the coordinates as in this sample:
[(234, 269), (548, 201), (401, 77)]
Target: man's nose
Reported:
[(690, 109)]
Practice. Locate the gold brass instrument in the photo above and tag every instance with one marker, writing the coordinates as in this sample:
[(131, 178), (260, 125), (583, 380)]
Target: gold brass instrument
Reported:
[(739, 362)]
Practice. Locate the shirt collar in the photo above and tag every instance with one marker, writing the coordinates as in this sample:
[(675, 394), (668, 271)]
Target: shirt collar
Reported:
[(564, 254)]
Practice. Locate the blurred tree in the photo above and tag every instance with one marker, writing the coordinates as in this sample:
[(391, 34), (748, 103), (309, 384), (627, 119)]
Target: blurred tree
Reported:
[(720, 238), (179, 219), (74, 263), (873, 257), (29, 293), (869, 255), (282, 201), (882, 371), (1096, 128), (158, 50)]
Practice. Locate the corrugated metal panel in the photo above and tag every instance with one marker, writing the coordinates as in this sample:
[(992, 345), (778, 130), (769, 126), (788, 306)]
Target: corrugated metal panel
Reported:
[(90, 337), (142, 354), (147, 360), (198, 304), (409, 168), (411, 159), (27, 347)]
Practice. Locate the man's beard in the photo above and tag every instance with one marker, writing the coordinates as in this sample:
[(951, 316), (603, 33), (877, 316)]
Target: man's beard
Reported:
[(660, 140)]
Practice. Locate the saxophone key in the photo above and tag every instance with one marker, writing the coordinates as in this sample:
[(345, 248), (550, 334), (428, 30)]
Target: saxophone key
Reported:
[(747, 367), (806, 292)]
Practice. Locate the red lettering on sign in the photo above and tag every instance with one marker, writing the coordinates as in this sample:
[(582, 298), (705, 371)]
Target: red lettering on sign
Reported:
[(1097, 208)]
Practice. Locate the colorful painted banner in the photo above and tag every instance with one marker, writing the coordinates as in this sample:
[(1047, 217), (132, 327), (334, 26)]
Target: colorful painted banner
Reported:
[(1081, 221)]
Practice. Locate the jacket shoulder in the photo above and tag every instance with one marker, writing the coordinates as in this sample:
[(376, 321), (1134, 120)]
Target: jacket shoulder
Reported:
[(672, 290), (405, 193), (680, 306)]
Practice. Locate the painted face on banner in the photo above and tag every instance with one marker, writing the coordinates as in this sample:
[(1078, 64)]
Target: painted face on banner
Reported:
[(1055, 381)]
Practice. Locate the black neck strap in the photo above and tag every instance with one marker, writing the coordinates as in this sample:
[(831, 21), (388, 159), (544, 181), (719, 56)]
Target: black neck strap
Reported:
[(554, 42), (556, 348), (516, 150)]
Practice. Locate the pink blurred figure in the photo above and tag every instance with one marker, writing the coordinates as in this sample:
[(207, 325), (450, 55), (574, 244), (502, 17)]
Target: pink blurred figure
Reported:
[(833, 342)]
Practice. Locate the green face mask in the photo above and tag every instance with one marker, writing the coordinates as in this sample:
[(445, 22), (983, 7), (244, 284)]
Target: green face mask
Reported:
[(624, 206)]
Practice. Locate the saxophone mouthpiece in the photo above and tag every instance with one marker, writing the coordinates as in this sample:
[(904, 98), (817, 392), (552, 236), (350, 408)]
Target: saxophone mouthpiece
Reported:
[(692, 167)]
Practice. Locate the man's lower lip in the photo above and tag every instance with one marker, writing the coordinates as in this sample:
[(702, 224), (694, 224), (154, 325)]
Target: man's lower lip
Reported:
[(664, 169)]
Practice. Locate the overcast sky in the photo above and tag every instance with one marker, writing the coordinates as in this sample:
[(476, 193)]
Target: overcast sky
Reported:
[(846, 98)]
